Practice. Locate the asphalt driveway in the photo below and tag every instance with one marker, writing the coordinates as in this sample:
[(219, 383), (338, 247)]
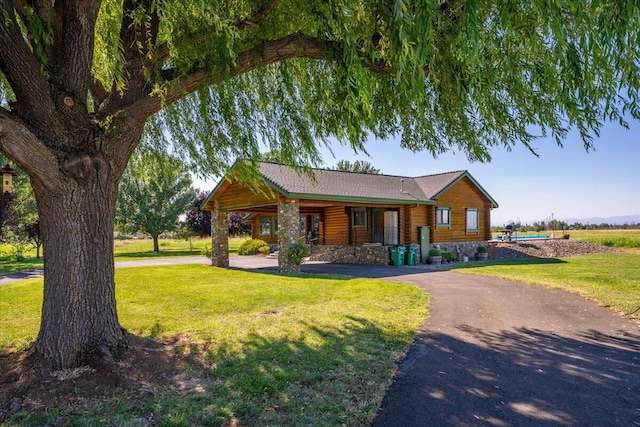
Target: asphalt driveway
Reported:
[(501, 353)]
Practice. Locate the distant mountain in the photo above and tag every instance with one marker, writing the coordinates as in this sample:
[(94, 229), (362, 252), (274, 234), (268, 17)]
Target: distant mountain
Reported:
[(625, 219)]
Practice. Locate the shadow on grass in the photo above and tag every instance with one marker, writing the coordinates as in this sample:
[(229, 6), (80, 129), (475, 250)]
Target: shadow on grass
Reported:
[(10, 265), (520, 377), (327, 376)]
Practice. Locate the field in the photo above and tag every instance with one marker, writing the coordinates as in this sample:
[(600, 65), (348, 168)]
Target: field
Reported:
[(628, 239), (257, 349)]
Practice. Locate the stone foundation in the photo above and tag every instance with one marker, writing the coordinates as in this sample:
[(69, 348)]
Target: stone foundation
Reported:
[(376, 255)]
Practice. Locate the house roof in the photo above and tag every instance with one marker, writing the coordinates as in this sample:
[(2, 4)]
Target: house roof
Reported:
[(357, 187)]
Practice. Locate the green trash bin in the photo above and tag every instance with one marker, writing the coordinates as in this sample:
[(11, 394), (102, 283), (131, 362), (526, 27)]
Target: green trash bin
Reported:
[(411, 255), (394, 255), (397, 255)]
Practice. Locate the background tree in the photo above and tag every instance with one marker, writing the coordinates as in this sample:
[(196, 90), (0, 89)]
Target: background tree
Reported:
[(196, 219), (237, 224), (155, 190), (357, 166), (80, 80), (199, 221)]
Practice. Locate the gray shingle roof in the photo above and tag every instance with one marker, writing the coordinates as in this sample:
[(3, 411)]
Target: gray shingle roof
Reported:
[(342, 184), (331, 184)]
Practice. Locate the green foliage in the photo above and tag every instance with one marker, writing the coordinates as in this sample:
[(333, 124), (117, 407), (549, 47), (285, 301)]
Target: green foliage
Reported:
[(448, 256), (471, 77), (359, 166), (206, 251), (154, 192), (252, 247), (482, 249), (297, 253), (434, 252)]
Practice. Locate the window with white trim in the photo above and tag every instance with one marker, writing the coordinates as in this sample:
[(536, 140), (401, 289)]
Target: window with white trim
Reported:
[(359, 218), (265, 226), (473, 220), (443, 217)]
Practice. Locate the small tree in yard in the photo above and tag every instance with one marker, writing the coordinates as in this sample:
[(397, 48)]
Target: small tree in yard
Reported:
[(81, 81), (155, 191)]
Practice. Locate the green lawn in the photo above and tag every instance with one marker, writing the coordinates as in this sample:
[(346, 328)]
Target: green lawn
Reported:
[(279, 350), (610, 279)]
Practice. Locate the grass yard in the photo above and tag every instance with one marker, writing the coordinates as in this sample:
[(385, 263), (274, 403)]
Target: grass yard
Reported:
[(610, 279), (274, 350)]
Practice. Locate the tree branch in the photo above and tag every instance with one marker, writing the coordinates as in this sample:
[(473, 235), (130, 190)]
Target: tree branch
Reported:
[(137, 40), (292, 46), (20, 145), (72, 66), (22, 71)]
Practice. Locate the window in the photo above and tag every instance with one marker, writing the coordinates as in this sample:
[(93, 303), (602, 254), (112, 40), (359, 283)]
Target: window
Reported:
[(359, 218), (473, 219), (443, 217), (265, 226)]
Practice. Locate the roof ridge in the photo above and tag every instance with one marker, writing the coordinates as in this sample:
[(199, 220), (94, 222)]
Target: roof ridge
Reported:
[(350, 172), (441, 173)]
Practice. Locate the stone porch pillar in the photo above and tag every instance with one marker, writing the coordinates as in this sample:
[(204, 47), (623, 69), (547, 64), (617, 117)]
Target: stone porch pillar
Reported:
[(288, 233), (219, 237)]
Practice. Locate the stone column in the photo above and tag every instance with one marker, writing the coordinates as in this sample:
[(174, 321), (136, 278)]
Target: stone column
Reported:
[(288, 233), (219, 237)]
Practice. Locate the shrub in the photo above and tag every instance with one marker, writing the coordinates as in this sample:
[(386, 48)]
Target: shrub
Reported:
[(206, 251), (297, 253), (435, 252), (252, 247), (482, 249), (449, 256), (265, 250)]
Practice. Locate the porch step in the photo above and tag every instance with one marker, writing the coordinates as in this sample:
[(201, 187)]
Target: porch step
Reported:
[(273, 255)]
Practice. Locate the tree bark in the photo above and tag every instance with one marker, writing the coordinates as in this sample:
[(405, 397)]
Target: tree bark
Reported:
[(156, 247), (79, 317)]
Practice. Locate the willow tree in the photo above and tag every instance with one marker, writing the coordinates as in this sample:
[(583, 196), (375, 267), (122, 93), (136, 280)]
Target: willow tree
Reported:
[(81, 80)]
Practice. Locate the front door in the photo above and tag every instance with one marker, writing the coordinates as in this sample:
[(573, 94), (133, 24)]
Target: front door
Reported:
[(377, 229), (390, 228)]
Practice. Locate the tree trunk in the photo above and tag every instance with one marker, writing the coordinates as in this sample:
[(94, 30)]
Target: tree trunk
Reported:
[(156, 247), (79, 317)]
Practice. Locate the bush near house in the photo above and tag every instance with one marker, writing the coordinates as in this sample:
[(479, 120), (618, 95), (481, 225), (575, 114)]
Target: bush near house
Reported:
[(253, 247)]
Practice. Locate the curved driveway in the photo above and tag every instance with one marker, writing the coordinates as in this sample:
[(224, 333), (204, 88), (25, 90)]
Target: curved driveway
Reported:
[(502, 353)]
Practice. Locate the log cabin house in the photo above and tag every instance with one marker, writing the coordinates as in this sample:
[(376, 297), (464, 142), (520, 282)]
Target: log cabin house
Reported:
[(336, 209)]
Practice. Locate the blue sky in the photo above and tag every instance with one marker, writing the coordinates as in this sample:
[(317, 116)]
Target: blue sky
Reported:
[(564, 182)]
